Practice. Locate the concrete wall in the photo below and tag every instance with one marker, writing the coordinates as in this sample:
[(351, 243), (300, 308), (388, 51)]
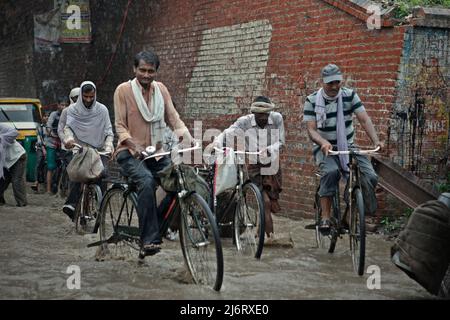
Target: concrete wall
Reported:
[(419, 131)]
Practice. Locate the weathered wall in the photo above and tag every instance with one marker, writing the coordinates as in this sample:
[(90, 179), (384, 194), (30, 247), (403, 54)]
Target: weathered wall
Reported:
[(16, 47), (46, 75), (420, 130), (216, 56)]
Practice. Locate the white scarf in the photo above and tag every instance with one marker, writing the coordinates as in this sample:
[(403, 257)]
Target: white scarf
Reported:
[(156, 118), (321, 116)]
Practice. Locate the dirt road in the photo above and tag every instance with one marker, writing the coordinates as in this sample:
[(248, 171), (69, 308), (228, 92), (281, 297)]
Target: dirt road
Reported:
[(38, 244)]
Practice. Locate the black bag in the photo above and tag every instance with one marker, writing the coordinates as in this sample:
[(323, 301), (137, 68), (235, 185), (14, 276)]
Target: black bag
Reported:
[(194, 182), (422, 249)]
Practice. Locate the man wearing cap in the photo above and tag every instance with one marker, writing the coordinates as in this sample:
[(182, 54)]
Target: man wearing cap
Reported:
[(328, 114), (263, 130)]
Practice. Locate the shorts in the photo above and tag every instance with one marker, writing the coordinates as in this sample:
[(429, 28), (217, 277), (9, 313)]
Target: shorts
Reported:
[(51, 158)]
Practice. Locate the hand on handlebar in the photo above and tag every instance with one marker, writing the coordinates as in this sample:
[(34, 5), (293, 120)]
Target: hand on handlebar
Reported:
[(380, 144), (69, 144), (326, 147)]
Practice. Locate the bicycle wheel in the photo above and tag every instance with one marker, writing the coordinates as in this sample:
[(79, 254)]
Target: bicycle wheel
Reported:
[(335, 221), (200, 242), (118, 224), (55, 180), (63, 184), (249, 221), (358, 232), (87, 209)]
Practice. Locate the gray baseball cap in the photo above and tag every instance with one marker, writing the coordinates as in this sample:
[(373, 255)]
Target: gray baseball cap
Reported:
[(331, 73)]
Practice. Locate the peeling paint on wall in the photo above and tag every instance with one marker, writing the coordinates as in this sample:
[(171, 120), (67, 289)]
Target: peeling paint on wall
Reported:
[(230, 69), (419, 130)]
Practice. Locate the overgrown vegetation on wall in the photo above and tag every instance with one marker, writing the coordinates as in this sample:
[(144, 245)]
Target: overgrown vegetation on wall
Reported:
[(404, 7)]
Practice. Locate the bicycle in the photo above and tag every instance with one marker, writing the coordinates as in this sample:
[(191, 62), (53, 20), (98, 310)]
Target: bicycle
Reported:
[(199, 237), (60, 179), (354, 207), (88, 206), (248, 224), (63, 181)]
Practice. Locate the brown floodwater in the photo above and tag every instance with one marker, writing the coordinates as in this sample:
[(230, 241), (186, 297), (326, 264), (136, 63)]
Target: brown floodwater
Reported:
[(38, 244)]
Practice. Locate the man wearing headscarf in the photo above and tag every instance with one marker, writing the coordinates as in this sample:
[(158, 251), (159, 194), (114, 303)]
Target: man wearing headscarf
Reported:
[(68, 207), (73, 95), (12, 165), (87, 124), (263, 131)]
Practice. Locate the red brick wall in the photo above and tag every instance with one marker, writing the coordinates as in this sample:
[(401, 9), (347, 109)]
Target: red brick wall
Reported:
[(215, 57), (303, 37)]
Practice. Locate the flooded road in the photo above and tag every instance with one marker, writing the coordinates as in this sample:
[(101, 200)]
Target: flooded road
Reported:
[(38, 244)]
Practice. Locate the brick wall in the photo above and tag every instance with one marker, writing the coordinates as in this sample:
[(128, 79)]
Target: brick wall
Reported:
[(286, 44), (217, 55)]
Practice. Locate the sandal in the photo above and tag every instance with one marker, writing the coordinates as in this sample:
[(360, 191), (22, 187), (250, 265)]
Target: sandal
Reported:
[(325, 225), (151, 249)]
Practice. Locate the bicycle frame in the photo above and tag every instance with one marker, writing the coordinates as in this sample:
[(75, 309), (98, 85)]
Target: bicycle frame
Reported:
[(354, 174), (356, 220)]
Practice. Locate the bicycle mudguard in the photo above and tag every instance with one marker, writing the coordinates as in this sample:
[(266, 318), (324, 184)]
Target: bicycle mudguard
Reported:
[(112, 239)]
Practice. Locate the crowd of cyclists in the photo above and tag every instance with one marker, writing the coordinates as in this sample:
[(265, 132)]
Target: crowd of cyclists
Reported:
[(144, 113), (145, 116)]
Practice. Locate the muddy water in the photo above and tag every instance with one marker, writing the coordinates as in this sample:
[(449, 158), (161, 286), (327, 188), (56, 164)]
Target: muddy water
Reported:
[(38, 243)]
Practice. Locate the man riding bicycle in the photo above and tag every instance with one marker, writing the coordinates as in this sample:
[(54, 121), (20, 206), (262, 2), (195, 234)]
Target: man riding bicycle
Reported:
[(328, 114), (264, 129), (52, 141), (87, 124), (142, 107)]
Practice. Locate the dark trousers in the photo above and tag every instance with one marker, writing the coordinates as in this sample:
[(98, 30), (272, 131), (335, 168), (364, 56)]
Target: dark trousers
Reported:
[(16, 176), (145, 176), (40, 166), (330, 172)]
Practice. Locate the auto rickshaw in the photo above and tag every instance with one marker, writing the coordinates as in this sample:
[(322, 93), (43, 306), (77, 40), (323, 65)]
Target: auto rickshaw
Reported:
[(24, 114)]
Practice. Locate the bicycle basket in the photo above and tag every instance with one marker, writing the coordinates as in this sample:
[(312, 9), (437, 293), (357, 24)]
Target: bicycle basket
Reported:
[(194, 182)]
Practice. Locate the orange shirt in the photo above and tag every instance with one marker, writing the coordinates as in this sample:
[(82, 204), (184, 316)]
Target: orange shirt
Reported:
[(129, 122)]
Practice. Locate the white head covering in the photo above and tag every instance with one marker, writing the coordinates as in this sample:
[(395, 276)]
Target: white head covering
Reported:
[(90, 125), (74, 93), (261, 107)]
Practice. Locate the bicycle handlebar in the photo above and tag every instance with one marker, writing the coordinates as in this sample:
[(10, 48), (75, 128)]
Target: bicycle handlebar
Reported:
[(369, 151), (80, 147), (150, 149), (238, 151)]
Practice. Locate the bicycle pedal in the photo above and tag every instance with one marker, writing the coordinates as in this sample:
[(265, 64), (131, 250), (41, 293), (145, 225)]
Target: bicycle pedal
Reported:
[(311, 226)]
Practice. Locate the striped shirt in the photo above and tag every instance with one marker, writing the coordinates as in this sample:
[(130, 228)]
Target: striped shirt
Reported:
[(352, 104)]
